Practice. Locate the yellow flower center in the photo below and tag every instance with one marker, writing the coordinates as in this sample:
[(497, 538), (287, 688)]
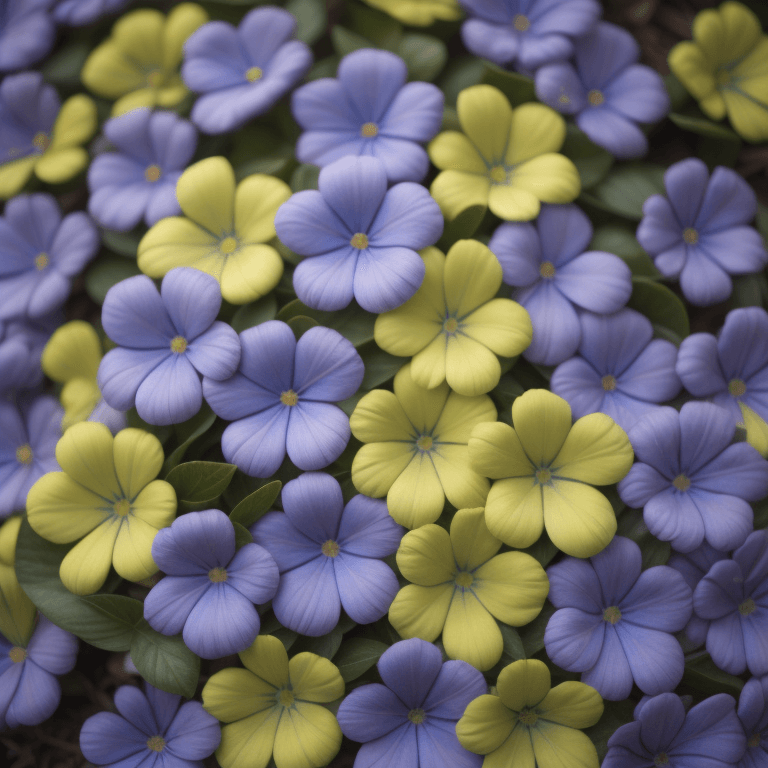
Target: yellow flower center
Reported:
[(359, 241), (498, 174), (154, 78), (543, 476), (747, 607), (41, 141), (122, 507), (612, 614), (369, 130), (450, 325), (690, 236), (253, 74), (156, 743), (24, 454), (609, 383), (17, 654), (289, 397), (217, 575), (547, 270), (178, 345), (755, 739), (661, 759), (737, 387), (723, 77), (521, 23), (330, 548), (41, 261), (228, 245), (563, 99), (424, 443), (152, 173), (682, 483), (595, 98), (464, 579), (416, 716), (285, 698)]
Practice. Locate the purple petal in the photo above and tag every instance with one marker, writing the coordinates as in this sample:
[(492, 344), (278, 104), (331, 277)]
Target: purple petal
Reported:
[(317, 434), (52, 648), (263, 31), (253, 572), (366, 587), (415, 113), (743, 342), (712, 732), (322, 106), (574, 639), (612, 131), (725, 644), (720, 592), (656, 441), (308, 225), (660, 600), (603, 53), (518, 249), (558, 86), (439, 746), (611, 344), (213, 58), (698, 365), (408, 218), (238, 397), (617, 568), (370, 712), (652, 376), (367, 529), (403, 160), (387, 277), (638, 93), (371, 79), (491, 41), (703, 282), (660, 722), (611, 676), (599, 282), (728, 202), (738, 471), (216, 352), (193, 734), (660, 228), (410, 669), (398, 748), (120, 207), (132, 704), (74, 244), (328, 368), (738, 251), (287, 544), (171, 393), (705, 431), (574, 583), (674, 517), (580, 384), (36, 218), (565, 232), (655, 658), (171, 600), (314, 505), (106, 738), (456, 685), (122, 371), (755, 629), (257, 443), (327, 282), (193, 299), (268, 352)]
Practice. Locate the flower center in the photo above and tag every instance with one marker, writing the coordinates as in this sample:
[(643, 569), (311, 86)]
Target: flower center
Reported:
[(154, 78), (682, 483), (498, 174), (156, 743), (543, 476), (178, 345), (747, 607), (690, 236), (253, 74), (330, 548), (547, 269), (755, 739), (17, 654), (737, 387), (527, 718), (464, 579), (285, 698), (217, 575), (41, 261), (41, 141), (563, 98), (416, 716), (369, 130), (609, 383), (152, 173), (289, 397), (424, 443), (450, 325), (595, 98), (521, 23), (723, 77), (24, 454), (228, 245), (661, 759), (612, 614), (122, 507), (359, 241)]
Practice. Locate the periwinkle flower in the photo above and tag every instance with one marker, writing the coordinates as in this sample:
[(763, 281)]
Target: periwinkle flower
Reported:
[(361, 239), (607, 90), (692, 483), (166, 340), (752, 711), (21, 345), (699, 232), (139, 180), (555, 276), (241, 72), (209, 589), (27, 33), (78, 13), (369, 110), (329, 555)]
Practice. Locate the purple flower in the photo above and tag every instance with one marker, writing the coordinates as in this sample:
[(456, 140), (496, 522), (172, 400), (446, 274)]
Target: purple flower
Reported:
[(329, 555), (693, 485), (733, 597), (77, 13), (21, 346), (753, 714), (614, 624), (26, 33), (554, 278), (607, 90), (29, 690), (528, 33), (620, 370), (150, 730), (166, 340), (732, 368), (698, 232), (28, 438), (369, 110), (709, 735), (209, 590), (411, 719), (281, 398), (40, 255), (361, 238), (242, 72), (139, 181)]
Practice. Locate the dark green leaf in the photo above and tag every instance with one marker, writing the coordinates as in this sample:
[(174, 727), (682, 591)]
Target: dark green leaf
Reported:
[(301, 324), (352, 322), (424, 55), (542, 550), (271, 626), (200, 423), (255, 506), (632, 525), (592, 162), (461, 72), (305, 177), (627, 187), (310, 18), (678, 95), (242, 535), (356, 656), (345, 41), (513, 645), (614, 238), (106, 272), (375, 26), (255, 313), (463, 226), (325, 646), (707, 679), (517, 88), (660, 305), (122, 243), (64, 66), (532, 634), (506, 391), (703, 127), (199, 481), (615, 714), (380, 366), (749, 290)]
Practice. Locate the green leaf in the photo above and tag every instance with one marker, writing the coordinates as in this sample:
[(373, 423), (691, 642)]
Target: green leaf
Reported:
[(271, 626), (703, 127), (325, 645), (506, 391), (542, 550), (242, 535), (375, 26), (199, 424), (256, 505), (352, 322), (627, 187), (532, 634), (614, 238), (64, 66), (310, 19), (305, 177), (592, 162), (463, 226), (122, 243), (380, 366), (106, 272), (462, 72), (301, 324), (356, 656), (513, 645), (615, 714), (678, 95), (707, 679), (660, 305), (517, 88), (424, 55), (126, 611), (255, 313), (632, 525), (197, 481), (749, 290), (345, 41)]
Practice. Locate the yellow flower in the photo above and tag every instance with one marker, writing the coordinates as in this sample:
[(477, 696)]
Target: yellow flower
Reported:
[(453, 326), (274, 706), (544, 469), (9, 532), (419, 13), (725, 68), (107, 497), (417, 449), (17, 612), (757, 430), (527, 725), (460, 584), (506, 159), (223, 232), (139, 64)]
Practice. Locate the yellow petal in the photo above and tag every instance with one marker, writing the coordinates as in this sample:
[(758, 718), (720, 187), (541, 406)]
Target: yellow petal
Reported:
[(748, 118), (472, 276), (757, 432), (462, 486), (422, 406), (376, 466), (726, 34), (471, 633), (109, 73), (512, 203), (308, 736), (420, 611), (496, 452), (232, 694), (75, 124), (155, 504), (206, 194), (416, 497), (378, 416), (85, 567), (453, 150), (514, 512), (314, 678), (132, 556), (73, 351), (419, 13), (176, 242), (78, 397), (142, 97), (172, 92), (536, 130), (542, 421), (470, 367), (267, 659), (455, 191), (257, 199), (140, 36), (550, 178), (460, 415), (579, 520), (138, 459), (425, 556), (576, 705), (428, 366), (513, 587), (14, 175), (248, 743), (486, 117), (516, 751), (17, 611), (250, 273), (472, 542), (9, 533), (59, 165), (691, 67), (182, 21), (502, 325), (556, 745), (523, 683), (85, 454), (485, 725)]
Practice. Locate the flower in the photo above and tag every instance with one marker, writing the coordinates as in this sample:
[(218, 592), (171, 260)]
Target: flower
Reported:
[(607, 90), (419, 13), (40, 255), (505, 159), (614, 624), (78, 13), (732, 368), (166, 341), (29, 690), (733, 597), (454, 326), (620, 369), (329, 555), (281, 399), (150, 728), (369, 110), (108, 498), (139, 181), (554, 278), (17, 612), (27, 441), (21, 343), (691, 482), (699, 232), (209, 589), (242, 71), (528, 724), (9, 533), (752, 711), (544, 470), (27, 33), (71, 357), (139, 63), (40, 134), (410, 720), (416, 452), (529, 34), (723, 67), (460, 586), (274, 707), (663, 733), (361, 238), (223, 231)]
